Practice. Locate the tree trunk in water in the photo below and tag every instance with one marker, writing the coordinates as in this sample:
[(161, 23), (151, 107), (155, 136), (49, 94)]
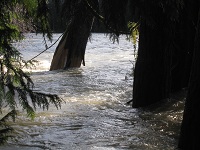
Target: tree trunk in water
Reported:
[(184, 46), (164, 56), (151, 74), (71, 49), (190, 129)]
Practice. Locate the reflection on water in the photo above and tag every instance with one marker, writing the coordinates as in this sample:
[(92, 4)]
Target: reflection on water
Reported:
[(94, 115)]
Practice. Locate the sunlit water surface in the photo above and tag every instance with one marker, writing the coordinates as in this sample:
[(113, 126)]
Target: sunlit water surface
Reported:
[(94, 115)]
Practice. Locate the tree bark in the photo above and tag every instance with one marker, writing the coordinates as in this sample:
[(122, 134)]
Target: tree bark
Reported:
[(190, 128), (184, 46), (151, 74), (71, 49), (165, 55)]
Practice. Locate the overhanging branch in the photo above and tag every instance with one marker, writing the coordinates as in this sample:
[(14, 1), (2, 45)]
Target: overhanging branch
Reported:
[(102, 19)]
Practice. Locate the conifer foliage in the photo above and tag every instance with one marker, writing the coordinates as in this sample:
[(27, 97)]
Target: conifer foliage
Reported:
[(16, 86)]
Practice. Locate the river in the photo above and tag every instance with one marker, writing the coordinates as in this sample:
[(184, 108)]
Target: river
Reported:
[(95, 115)]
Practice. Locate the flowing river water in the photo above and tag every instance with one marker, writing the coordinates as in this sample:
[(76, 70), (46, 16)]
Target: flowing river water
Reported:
[(95, 115)]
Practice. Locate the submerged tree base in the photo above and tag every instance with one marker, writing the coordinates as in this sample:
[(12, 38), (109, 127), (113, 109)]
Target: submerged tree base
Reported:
[(71, 49)]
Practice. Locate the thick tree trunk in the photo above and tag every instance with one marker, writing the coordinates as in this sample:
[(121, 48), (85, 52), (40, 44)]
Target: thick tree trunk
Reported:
[(190, 129), (184, 46), (151, 74), (164, 56), (71, 49)]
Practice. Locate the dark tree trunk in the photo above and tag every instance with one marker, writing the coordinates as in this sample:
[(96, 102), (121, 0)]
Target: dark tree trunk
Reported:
[(190, 129), (151, 74), (183, 47), (71, 49), (164, 56)]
